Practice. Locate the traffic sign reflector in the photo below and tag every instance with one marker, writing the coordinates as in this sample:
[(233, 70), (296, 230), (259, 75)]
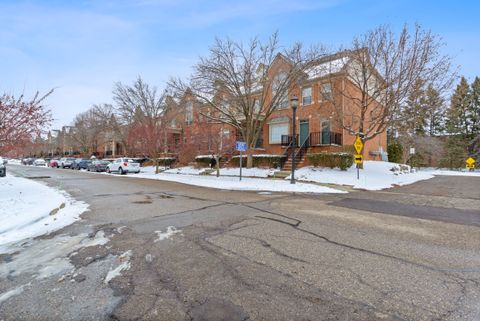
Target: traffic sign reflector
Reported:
[(358, 159), (358, 145)]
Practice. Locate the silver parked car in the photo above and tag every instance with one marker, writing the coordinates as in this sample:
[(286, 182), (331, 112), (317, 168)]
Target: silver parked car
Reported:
[(39, 162), (123, 165)]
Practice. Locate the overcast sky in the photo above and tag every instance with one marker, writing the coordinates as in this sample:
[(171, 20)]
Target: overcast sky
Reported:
[(83, 47)]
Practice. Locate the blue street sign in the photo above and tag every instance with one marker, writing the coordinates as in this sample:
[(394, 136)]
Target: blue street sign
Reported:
[(241, 146)]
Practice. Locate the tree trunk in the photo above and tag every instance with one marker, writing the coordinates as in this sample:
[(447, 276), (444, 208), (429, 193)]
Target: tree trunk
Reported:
[(249, 158), (157, 170), (217, 164)]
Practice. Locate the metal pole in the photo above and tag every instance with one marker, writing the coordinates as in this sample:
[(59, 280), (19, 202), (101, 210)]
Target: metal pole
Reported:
[(294, 143), (241, 165), (358, 171)]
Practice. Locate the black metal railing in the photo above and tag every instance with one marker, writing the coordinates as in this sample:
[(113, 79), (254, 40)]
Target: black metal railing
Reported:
[(286, 140), (325, 138), (314, 139)]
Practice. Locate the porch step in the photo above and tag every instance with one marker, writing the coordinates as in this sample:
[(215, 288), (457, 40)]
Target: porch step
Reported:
[(298, 162)]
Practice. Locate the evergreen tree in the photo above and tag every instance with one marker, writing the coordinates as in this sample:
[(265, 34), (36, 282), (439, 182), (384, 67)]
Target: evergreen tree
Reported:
[(458, 115), (434, 112), (475, 107), (413, 113)]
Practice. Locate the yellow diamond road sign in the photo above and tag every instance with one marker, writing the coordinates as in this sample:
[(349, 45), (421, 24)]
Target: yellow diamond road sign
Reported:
[(358, 145), (470, 161)]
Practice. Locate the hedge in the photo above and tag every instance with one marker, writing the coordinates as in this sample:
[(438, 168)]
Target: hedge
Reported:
[(263, 160), (166, 161), (204, 159), (332, 160)]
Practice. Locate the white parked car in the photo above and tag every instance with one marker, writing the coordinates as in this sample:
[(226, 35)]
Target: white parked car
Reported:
[(123, 166), (39, 162)]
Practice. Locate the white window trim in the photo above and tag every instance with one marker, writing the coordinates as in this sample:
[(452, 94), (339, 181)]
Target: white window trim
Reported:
[(321, 95), (279, 139), (311, 96)]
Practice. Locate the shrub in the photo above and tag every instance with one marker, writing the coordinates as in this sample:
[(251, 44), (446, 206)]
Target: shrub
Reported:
[(332, 160), (166, 161), (204, 159), (395, 152), (260, 160)]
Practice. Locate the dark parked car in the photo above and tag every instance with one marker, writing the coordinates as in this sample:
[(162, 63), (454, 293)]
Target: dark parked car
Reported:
[(81, 164), (28, 161), (98, 166), (3, 168)]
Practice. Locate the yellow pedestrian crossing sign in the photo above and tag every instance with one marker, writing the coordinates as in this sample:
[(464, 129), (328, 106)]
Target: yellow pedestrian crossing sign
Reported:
[(358, 145), (358, 159), (470, 162)]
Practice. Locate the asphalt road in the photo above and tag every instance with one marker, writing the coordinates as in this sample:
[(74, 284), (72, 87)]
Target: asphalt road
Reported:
[(408, 253)]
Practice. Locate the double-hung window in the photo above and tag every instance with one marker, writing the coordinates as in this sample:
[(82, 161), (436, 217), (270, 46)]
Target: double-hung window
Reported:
[(325, 92), (280, 90), (189, 113), (306, 96), (276, 132)]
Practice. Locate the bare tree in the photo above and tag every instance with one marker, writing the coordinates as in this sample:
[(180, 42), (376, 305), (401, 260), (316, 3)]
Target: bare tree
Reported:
[(112, 127), (245, 83), (87, 130), (22, 120), (384, 68), (142, 109)]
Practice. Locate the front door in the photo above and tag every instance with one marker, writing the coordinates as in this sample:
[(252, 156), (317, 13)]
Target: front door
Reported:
[(304, 133)]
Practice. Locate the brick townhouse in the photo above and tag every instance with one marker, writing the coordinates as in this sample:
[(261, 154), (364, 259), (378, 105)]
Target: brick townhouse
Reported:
[(317, 125)]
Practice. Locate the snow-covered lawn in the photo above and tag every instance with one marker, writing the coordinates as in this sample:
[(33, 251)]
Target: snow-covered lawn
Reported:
[(233, 183), (246, 172), (29, 208), (376, 175)]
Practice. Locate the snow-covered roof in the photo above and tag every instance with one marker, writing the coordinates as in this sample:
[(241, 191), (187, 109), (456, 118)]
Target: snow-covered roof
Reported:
[(326, 68)]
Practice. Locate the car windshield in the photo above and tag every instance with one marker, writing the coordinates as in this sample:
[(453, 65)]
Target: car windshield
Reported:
[(131, 160), (103, 162), (71, 159)]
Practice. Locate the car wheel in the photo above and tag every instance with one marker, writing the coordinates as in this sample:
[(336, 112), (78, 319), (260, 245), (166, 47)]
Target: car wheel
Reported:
[(108, 170)]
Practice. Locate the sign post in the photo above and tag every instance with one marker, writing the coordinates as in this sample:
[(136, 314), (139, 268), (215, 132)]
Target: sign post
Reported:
[(470, 163), (358, 158), (241, 147)]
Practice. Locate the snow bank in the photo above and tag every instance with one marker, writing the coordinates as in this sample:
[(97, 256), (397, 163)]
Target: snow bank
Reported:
[(246, 172), (187, 170), (29, 208), (246, 184), (376, 175)]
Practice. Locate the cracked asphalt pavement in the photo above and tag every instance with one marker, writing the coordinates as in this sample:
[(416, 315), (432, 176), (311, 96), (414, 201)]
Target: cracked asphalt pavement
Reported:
[(408, 253)]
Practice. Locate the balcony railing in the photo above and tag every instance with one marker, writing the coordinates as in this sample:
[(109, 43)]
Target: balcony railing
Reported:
[(325, 138), (315, 139)]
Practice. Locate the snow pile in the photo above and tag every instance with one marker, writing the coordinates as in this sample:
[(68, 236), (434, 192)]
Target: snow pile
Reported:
[(29, 209), (171, 230), (123, 266), (187, 170), (375, 175), (246, 184), (246, 172), (447, 172)]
